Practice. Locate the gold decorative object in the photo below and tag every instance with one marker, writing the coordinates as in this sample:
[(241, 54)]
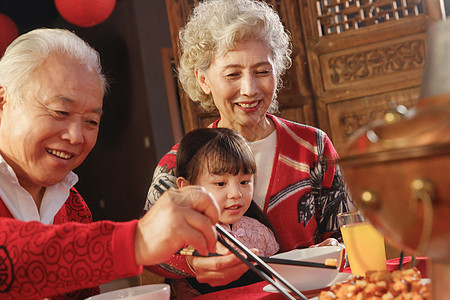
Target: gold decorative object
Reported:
[(398, 169)]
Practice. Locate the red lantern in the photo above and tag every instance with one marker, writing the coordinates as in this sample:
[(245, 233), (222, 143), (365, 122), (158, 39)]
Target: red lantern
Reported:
[(85, 13), (8, 32)]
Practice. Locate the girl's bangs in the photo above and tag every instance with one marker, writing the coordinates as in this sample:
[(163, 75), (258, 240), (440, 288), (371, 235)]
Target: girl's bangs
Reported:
[(230, 159)]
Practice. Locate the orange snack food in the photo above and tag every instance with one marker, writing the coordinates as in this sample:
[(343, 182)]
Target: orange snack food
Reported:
[(384, 285)]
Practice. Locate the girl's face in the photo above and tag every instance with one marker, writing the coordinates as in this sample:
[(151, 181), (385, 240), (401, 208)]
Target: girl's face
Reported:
[(242, 83), (233, 193)]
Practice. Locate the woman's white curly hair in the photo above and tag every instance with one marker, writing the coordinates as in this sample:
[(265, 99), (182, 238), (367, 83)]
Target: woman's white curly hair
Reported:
[(215, 26)]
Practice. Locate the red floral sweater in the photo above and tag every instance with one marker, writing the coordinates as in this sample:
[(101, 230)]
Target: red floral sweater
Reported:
[(67, 260), (305, 193)]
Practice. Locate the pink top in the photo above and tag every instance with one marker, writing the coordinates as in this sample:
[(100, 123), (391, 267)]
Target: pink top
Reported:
[(254, 234)]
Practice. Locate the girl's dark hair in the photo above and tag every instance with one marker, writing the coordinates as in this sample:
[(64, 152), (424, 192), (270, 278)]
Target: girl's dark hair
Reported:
[(220, 150)]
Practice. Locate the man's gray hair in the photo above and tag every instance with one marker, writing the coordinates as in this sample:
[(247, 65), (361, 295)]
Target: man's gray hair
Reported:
[(29, 51)]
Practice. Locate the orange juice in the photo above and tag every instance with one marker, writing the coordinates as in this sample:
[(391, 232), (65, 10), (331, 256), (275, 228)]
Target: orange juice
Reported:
[(365, 248)]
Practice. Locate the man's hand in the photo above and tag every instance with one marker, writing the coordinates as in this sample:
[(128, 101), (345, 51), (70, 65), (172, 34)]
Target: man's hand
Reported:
[(328, 242), (179, 217)]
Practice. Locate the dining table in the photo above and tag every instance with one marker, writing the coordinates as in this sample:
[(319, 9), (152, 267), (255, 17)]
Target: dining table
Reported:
[(259, 290)]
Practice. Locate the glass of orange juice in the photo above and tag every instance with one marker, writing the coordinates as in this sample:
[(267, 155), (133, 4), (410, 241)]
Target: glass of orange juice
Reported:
[(363, 243)]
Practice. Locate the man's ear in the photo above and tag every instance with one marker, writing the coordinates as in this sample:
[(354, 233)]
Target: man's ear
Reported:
[(202, 81), (181, 182)]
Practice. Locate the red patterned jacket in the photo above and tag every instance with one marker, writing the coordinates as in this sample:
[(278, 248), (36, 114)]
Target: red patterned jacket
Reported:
[(305, 193), (67, 260)]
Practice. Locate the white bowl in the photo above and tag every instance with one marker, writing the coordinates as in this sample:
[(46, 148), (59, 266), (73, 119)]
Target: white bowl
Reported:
[(309, 278), (142, 292)]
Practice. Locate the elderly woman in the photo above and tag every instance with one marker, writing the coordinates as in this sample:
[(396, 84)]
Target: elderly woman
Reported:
[(51, 97), (234, 53)]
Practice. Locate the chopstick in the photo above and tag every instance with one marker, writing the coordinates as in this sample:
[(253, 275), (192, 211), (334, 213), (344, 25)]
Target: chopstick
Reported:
[(400, 264), (193, 252), (413, 261), (164, 184), (262, 264), (250, 254), (328, 264)]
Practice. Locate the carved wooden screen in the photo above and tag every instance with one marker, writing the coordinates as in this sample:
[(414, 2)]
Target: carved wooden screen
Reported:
[(363, 55), (351, 59), (295, 98)]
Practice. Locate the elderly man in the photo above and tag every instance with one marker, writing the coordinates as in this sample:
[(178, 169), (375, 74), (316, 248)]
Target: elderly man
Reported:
[(51, 94)]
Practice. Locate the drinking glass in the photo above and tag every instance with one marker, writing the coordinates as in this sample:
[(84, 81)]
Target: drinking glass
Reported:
[(364, 244)]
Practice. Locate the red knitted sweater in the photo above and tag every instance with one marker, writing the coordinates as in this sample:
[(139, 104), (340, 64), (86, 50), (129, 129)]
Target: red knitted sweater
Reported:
[(67, 260), (305, 193)]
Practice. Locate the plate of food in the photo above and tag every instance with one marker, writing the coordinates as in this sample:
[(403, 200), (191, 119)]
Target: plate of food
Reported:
[(341, 277), (305, 278), (407, 284)]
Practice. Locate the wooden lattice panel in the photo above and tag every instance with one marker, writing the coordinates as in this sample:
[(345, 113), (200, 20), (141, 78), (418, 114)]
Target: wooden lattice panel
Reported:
[(388, 60), (347, 117), (337, 16)]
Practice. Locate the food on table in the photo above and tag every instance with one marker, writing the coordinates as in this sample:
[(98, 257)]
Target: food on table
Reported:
[(384, 285)]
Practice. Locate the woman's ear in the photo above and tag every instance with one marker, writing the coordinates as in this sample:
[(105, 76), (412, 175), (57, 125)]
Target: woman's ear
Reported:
[(202, 81), (2, 99), (181, 182)]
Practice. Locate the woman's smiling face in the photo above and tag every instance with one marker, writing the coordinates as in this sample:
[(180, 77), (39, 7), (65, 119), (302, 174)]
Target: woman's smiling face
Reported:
[(242, 83)]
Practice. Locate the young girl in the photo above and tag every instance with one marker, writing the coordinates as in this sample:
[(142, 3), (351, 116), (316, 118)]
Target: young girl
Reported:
[(220, 160)]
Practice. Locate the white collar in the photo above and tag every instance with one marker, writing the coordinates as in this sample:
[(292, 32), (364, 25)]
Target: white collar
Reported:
[(21, 204)]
